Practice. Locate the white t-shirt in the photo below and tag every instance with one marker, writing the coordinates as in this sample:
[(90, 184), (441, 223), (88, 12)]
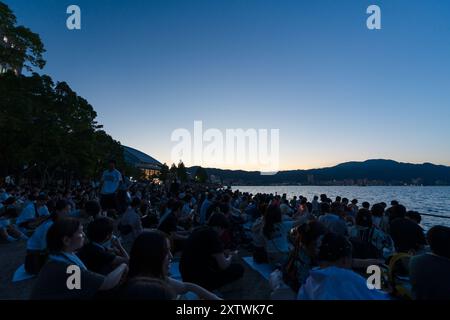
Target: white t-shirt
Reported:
[(29, 213), (38, 240), (111, 181)]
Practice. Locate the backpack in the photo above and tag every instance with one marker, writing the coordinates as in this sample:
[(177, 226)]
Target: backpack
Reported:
[(363, 248)]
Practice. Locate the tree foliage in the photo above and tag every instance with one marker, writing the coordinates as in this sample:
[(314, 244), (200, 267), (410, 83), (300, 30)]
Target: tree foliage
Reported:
[(47, 131), (173, 170), (50, 132), (164, 173), (201, 175), (24, 48), (182, 172)]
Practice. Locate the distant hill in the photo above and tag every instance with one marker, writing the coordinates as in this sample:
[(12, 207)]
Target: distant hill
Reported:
[(369, 172)]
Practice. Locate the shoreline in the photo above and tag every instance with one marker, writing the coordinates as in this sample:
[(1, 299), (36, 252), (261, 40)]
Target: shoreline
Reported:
[(337, 185)]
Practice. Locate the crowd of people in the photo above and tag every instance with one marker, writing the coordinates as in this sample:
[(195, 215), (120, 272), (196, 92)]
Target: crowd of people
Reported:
[(123, 236)]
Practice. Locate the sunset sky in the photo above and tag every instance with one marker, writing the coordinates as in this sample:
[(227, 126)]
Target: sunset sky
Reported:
[(335, 90)]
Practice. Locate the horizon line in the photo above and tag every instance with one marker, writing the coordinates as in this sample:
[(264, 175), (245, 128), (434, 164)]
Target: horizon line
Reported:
[(318, 168)]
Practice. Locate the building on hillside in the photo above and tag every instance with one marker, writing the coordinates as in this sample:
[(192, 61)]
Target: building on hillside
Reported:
[(138, 159)]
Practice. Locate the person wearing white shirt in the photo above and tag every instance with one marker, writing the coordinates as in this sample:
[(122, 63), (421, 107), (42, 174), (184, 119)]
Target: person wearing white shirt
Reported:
[(33, 214), (111, 180), (9, 231), (37, 244)]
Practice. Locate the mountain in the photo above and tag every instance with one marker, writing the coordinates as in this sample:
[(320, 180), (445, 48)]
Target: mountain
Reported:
[(369, 172)]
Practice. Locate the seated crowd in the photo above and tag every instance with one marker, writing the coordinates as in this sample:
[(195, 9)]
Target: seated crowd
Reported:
[(321, 248)]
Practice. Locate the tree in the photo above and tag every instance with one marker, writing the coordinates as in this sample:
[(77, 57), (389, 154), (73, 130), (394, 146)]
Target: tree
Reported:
[(173, 170), (47, 131), (163, 174), (182, 172), (21, 47), (50, 130), (201, 175)]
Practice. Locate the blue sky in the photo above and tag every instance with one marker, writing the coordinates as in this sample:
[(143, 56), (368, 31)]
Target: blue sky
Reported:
[(336, 90)]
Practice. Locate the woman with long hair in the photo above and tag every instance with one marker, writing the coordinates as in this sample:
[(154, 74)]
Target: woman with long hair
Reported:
[(150, 258)]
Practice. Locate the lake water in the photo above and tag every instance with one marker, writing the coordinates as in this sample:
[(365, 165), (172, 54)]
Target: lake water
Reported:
[(431, 200)]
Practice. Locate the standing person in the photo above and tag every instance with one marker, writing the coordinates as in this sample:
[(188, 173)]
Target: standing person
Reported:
[(111, 180)]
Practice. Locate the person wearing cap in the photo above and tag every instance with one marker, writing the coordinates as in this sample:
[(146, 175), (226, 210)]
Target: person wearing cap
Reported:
[(33, 214), (9, 231)]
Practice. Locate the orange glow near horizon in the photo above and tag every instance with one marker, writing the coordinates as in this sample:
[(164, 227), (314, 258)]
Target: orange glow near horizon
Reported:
[(287, 166)]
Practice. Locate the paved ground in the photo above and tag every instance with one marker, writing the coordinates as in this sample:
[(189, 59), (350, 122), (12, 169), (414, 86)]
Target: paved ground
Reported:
[(12, 255)]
